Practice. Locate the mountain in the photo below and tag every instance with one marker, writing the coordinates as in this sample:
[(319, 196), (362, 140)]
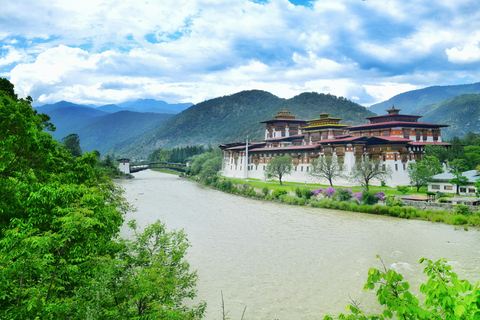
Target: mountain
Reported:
[(412, 100), (100, 130), (110, 108), (151, 105), (117, 130), (461, 113), (232, 118), (71, 119), (61, 104)]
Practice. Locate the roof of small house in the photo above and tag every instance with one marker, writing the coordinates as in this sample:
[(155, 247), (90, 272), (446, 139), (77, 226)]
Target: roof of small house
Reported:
[(471, 175)]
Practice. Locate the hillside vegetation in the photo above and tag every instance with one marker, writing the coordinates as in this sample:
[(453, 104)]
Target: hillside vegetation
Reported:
[(415, 99), (232, 118), (461, 113)]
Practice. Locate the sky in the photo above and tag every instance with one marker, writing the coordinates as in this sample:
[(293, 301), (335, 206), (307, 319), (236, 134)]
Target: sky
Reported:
[(110, 51)]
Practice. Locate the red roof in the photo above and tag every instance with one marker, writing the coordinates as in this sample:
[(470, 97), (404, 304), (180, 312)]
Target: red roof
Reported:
[(284, 120), (430, 143), (396, 124), (302, 147)]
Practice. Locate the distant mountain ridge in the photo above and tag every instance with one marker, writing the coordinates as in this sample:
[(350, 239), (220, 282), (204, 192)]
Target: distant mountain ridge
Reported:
[(461, 113), (415, 99), (235, 117), (140, 105), (100, 129)]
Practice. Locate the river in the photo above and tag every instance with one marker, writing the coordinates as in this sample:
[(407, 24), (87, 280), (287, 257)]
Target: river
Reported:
[(290, 262)]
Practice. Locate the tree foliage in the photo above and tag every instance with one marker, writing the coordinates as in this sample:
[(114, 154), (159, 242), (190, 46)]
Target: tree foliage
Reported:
[(419, 173), (445, 296), (72, 143), (59, 222), (365, 171), (456, 167), (326, 168), (278, 167)]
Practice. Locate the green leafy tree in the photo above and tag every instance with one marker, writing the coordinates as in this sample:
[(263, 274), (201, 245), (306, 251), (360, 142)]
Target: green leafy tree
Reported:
[(439, 152), (365, 171), (278, 167), (456, 167), (477, 187), (59, 221), (212, 166), (445, 296), (72, 143), (326, 168), (147, 278), (8, 88), (419, 173)]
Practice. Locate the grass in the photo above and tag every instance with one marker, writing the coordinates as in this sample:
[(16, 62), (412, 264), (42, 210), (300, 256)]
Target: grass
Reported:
[(290, 186)]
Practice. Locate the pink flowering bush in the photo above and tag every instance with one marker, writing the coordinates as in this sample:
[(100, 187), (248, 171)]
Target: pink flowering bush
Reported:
[(358, 196), (380, 195), (330, 191), (316, 192)]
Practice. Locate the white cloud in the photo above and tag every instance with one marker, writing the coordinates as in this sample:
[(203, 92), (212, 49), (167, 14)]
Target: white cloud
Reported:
[(191, 50)]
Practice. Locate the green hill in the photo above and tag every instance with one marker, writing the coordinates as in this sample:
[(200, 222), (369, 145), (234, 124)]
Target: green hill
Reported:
[(232, 118), (117, 130), (462, 113), (412, 100)]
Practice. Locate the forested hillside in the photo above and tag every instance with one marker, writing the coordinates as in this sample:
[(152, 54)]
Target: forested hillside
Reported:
[(117, 130), (461, 113), (233, 118), (412, 100)]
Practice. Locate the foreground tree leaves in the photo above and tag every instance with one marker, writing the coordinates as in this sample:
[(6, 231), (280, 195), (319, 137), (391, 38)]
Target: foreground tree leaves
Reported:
[(445, 296), (60, 256)]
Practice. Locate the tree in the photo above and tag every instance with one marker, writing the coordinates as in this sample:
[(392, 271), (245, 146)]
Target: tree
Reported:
[(8, 88), (326, 168), (456, 167), (211, 167), (363, 172), (477, 188), (59, 221), (147, 278), (72, 143), (445, 296), (419, 173), (279, 167)]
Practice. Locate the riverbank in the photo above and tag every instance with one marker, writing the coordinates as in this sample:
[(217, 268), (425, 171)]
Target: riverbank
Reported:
[(461, 215)]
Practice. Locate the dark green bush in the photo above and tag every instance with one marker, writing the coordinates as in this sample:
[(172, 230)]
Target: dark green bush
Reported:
[(265, 191), (343, 194), (278, 193), (369, 198), (462, 209)]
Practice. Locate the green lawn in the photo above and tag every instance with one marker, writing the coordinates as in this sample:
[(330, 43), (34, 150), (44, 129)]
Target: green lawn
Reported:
[(290, 186)]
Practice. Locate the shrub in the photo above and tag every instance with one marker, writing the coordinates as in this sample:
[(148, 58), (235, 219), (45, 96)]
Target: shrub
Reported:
[(358, 195), (391, 202), (462, 209), (306, 193), (444, 200), (343, 194), (316, 192), (298, 192), (278, 193), (330, 191), (369, 198), (265, 191), (402, 189), (314, 204), (380, 195)]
